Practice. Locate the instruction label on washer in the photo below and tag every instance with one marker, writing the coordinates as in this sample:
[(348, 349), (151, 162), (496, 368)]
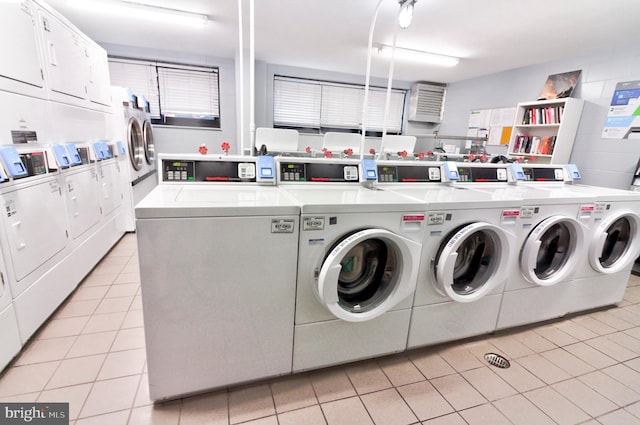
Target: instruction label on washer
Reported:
[(435, 218), (313, 223), (527, 212), (282, 226)]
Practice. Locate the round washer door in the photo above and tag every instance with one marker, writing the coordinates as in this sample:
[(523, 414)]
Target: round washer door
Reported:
[(472, 261), (552, 250), (136, 144), (615, 244), (147, 137), (367, 274)]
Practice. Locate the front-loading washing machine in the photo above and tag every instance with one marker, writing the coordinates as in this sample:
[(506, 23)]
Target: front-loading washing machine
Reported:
[(612, 238), (358, 259), (218, 252), (466, 256), (551, 237), (147, 175)]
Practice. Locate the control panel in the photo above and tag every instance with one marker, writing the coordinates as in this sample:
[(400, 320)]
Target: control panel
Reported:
[(482, 174), (241, 170), (74, 155), (543, 174), (409, 173), (319, 172)]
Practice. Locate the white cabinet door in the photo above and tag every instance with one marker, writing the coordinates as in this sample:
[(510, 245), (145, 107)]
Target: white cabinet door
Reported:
[(109, 181), (99, 87), (83, 202), (19, 46), (36, 226), (66, 57)]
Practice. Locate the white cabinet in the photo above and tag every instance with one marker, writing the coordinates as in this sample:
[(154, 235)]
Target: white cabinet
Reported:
[(109, 186), (20, 67), (83, 203), (65, 54), (544, 131), (99, 84)]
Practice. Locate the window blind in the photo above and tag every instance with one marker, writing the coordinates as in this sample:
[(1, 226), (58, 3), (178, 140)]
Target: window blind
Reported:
[(296, 103), (317, 104), (140, 78), (189, 95)]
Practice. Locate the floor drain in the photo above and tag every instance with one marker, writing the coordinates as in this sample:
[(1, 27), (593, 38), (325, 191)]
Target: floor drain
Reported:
[(497, 360)]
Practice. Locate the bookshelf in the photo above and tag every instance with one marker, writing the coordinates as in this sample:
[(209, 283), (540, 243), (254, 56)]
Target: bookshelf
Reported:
[(544, 131)]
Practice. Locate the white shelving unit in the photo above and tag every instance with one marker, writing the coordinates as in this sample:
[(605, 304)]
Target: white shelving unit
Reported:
[(544, 131)]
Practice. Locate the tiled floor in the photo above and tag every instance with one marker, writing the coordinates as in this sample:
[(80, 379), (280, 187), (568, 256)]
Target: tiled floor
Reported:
[(584, 369)]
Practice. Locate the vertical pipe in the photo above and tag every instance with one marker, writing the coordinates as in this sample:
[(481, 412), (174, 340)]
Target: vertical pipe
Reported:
[(241, 78), (389, 83), (252, 77), (367, 78)]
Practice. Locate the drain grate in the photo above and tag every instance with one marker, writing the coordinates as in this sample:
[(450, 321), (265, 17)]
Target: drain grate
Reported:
[(497, 360)]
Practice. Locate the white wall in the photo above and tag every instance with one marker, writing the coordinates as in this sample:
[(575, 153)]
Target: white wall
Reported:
[(603, 162), (172, 139)]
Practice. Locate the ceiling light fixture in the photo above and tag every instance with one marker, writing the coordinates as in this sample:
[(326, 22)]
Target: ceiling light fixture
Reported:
[(418, 56), (142, 11), (406, 13)]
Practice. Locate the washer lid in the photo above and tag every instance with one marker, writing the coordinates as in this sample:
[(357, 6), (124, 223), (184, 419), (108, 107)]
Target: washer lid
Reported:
[(472, 261), (367, 274), (552, 250), (615, 244)]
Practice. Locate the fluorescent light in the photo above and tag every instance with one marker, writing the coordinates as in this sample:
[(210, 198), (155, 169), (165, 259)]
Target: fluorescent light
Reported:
[(406, 13), (142, 11), (418, 56)]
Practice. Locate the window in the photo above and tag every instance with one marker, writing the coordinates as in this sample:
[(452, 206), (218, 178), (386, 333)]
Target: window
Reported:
[(319, 106), (178, 94)]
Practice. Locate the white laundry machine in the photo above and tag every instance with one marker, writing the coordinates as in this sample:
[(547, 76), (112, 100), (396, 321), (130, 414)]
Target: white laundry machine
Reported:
[(126, 128), (218, 245), (551, 237), (10, 342), (467, 251), (147, 176), (32, 242), (612, 239), (358, 259)]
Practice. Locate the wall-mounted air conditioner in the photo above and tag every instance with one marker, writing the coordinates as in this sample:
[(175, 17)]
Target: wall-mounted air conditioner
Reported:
[(427, 102)]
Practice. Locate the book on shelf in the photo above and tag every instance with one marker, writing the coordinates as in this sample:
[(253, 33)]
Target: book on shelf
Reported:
[(533, 145), (543, 115)]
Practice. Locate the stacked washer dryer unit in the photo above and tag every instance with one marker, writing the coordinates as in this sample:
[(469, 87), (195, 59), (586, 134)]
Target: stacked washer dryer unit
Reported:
[(467, 251), (127, 131), (358, 259), (147, 176), (218, 245), (612, 237)]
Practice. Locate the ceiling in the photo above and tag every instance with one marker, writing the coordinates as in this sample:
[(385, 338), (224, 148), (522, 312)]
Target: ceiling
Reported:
[(488, 35)]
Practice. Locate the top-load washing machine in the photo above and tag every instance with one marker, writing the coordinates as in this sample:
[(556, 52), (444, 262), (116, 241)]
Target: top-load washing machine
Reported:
[(467, 251), (218, 249), (612, 236), (358, 259)]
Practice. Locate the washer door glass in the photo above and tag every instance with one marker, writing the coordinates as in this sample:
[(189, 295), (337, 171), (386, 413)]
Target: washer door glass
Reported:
[(149, 148), (615, 245), (470, 261), (136, 144), (550, 252), (367, 273)]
